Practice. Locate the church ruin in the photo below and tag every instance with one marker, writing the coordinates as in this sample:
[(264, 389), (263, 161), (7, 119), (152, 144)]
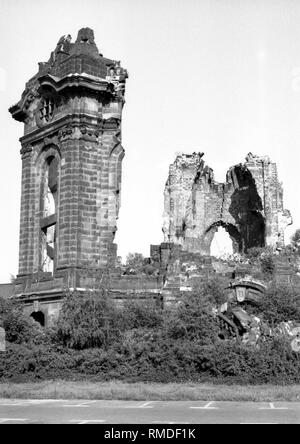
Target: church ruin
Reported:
[(249, 205), (71, 183), (71, 169)]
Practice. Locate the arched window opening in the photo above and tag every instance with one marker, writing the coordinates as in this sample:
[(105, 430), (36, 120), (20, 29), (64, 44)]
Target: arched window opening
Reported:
[(221, 244), (50, 186), (39, 317), (49, 203), (48, 220)]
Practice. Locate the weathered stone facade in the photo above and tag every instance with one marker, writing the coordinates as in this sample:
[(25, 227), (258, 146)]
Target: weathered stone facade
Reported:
[(71, 169), (249, 205)]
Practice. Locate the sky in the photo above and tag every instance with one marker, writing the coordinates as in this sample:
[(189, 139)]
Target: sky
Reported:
[(217, 76)]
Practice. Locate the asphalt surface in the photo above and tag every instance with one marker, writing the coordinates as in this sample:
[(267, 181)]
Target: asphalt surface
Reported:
[(146, 412)]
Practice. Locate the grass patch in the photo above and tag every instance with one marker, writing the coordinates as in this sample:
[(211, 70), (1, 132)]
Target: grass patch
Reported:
[(144, 391)]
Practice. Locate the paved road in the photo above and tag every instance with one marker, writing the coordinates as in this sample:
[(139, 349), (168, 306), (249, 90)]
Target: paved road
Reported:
[(146, 412)]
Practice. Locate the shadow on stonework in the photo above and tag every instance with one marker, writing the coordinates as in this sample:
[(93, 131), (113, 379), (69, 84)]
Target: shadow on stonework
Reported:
[(246, 207)]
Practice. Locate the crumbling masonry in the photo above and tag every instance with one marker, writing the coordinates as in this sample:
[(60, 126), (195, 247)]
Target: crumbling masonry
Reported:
[(249, 205)]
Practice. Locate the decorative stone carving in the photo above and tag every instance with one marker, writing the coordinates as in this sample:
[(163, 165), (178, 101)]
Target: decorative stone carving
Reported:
[(117, 76), (66, 132), (86, 35), (79, 131), (89, 133), (64, 44), (50, 141), (26, 149), (22, 110)]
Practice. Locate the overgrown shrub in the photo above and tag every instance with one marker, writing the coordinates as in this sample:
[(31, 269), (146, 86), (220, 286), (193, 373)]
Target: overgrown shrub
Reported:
[(212, 292), (267, 264), (280, 303), (295, 241), (254, 253), (88, 320), (23, 362), (141, 314), (191, 321), (264, 258), (160, 360)]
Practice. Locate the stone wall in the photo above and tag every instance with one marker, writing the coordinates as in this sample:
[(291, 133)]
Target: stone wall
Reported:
[(249, 205)]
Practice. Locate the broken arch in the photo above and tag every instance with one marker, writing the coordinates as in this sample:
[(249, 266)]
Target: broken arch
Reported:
[(233, 232)]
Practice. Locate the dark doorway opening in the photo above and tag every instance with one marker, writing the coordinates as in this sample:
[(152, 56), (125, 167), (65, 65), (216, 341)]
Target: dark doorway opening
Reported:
[(39, 317)]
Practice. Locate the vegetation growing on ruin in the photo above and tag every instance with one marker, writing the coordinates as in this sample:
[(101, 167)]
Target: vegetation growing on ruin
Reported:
[(136, 263)]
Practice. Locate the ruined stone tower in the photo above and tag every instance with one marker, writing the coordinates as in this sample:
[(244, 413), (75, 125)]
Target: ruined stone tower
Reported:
[(249, 205), (71, 168)]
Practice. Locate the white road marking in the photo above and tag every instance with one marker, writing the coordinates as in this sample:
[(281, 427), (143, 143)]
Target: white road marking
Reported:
[(87, 421), (82, 404), (206, 406), (40, 401), (2, 420), (25, 403), (145, 405), (272, 407), (11, 404)]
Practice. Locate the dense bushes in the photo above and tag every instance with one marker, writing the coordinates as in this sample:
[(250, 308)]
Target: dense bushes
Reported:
[(264, 259), (160, 361), (280, 303), (139, 341), (88, 321), (191, 322)]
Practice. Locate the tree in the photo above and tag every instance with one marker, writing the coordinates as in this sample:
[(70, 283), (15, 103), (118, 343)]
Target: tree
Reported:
[(135, 263), (280, 303), (88, 320), (142, 314), (295, 240), (193, 319)]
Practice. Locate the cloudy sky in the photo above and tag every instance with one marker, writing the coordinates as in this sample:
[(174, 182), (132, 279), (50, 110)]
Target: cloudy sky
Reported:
[(218, 76)]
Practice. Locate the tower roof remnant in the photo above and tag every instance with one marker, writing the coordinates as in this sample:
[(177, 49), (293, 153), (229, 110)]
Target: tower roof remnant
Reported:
[(77, 64)]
